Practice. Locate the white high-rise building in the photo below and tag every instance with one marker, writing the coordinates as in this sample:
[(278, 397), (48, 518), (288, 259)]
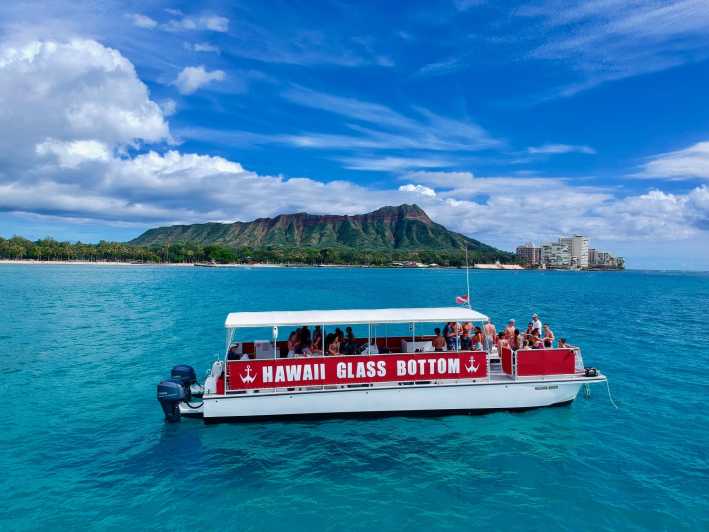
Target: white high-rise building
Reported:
[(556, 254), (578, 249)]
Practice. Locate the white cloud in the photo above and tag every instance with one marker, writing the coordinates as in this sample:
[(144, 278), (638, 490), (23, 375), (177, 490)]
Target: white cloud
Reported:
[(391, 164), (74, 153), (192, 78), (418, 189), (207, 22), (692, 162), (142, 21), (67, 92), (555, 149), (202, 47)]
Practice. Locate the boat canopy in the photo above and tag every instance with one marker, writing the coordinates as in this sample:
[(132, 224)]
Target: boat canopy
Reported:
[(351, 316)]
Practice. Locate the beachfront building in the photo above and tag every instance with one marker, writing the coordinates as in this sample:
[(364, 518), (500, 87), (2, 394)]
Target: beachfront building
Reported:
[(578, 248), (556, 255), (568, 252), (529, 254)]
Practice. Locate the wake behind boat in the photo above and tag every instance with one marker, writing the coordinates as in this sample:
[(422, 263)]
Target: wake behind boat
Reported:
[(376, 374)]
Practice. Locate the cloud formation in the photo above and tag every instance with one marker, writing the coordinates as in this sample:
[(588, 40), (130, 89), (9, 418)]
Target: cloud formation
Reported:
[(688, 163), (192, 78), (555, 149), (90, 144), (614, 39)]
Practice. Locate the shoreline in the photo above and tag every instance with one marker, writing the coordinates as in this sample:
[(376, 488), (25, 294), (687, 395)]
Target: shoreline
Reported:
[(33, 262)]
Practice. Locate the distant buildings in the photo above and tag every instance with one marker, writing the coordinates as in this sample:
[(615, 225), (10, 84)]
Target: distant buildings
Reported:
[(567, 252), (529, 254)]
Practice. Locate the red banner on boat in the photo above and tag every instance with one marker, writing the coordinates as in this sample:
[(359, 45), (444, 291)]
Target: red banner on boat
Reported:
[(531, 362), (318, 371)]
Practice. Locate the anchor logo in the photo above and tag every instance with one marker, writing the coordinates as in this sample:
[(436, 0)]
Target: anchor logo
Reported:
[(472, 368), (249, 378)]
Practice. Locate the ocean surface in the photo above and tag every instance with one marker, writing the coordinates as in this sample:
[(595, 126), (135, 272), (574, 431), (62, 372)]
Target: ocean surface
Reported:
[(83, 444)]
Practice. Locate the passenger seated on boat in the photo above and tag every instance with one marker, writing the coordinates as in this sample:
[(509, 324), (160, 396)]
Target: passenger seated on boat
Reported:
[(534, 341), (562, 343), (317, 339), (233, 353), (349, 345), (465, 340), (333, 346), (248, 356), (293, 341), (305, 337), (548, 337), (439, 343)]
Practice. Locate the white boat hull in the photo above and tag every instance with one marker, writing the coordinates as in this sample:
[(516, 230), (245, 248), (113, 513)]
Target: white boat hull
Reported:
[(391, 400)]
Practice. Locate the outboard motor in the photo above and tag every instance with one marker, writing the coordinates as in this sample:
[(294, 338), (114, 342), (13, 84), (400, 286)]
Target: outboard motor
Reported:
[(170, 395), (185, 376), (175, 390)]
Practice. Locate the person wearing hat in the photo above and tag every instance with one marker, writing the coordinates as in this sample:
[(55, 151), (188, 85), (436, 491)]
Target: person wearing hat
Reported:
[(537, 324)]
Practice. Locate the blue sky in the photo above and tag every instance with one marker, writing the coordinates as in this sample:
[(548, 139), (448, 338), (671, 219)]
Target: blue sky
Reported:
[(505, 122)]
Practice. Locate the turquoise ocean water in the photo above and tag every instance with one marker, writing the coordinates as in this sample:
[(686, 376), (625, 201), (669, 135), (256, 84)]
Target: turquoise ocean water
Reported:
[(83, 444)]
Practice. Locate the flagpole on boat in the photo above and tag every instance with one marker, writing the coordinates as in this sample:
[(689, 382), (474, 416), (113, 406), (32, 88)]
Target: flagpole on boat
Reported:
[(467, 276)]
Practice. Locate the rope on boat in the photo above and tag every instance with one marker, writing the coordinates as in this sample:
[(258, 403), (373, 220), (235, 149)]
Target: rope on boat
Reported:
[(610, 396), (195, 406)]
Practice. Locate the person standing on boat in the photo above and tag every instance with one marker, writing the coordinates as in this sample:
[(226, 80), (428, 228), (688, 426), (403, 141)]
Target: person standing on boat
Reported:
[(518, 341), (537, 324), (510, 331), (477, 343), (490, 332), (438, 342), (451, 335)]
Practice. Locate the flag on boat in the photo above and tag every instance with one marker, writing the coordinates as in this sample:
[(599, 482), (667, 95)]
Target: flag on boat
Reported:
[(462, 300)]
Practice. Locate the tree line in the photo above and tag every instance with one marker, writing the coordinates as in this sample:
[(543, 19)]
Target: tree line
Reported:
[(48, 249)]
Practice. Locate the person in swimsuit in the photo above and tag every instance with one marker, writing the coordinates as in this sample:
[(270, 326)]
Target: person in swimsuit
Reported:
[(439, 343), (490, 333), (477, 344), (510, 331)]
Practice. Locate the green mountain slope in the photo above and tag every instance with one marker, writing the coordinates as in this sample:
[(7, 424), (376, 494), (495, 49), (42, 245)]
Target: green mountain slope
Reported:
[(403, 228)]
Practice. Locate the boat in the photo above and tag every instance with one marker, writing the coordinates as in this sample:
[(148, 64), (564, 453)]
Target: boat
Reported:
[(398, 374), (210, 264)]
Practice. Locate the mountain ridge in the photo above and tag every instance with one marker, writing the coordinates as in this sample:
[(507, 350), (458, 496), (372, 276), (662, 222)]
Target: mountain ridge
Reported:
[(390, 228)]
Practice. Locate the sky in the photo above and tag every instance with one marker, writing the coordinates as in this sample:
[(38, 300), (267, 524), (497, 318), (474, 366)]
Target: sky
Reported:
[(508, 122)]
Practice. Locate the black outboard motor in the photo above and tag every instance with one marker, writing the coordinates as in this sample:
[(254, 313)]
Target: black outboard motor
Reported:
[(175, 390)]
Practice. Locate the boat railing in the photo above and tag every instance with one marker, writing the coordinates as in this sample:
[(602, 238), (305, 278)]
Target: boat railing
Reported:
[(540, 363)]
